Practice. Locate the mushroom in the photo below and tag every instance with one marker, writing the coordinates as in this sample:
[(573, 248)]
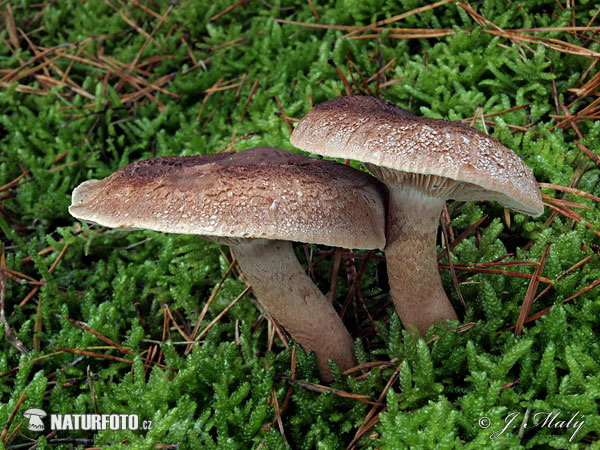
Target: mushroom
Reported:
[(35, 417), (425, 162), (256, 201)]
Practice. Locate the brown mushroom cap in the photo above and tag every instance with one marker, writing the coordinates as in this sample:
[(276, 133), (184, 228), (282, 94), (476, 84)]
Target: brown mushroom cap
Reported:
[(263, 192), (445, 159)]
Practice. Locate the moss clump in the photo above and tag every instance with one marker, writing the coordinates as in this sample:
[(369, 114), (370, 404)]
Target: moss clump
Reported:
[(226, 83)]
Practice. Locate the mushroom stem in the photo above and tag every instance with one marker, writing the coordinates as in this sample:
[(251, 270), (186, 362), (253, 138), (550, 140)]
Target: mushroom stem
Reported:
[(415, 284), (285, 291)]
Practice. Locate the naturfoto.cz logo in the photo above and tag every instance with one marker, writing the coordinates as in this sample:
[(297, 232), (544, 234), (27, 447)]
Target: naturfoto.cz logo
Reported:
[(86, 422)]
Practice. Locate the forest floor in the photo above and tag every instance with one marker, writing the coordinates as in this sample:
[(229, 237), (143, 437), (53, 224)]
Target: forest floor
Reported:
[(99, 321)]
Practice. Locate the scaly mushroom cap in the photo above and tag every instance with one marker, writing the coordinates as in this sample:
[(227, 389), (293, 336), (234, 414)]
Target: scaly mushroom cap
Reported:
[(445, 159), (263, 192)]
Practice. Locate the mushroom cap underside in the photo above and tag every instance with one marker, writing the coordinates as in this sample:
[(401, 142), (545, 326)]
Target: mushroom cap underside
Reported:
[(453, 159), (258, 193)]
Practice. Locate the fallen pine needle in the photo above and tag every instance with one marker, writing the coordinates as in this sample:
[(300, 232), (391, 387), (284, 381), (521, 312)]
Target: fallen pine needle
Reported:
[(530, 294), (545, 311), (208, 303), (34, 360), (577, 265), (228, 9), (221, 314), (99, 336), (372, 417), (320, 388), (399, 17), (569, 190), (12, 416), (9, 333), (507, 273), (93, 355), (368, 365)]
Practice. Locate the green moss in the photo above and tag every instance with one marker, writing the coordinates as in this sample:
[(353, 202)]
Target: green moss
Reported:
[(221, 394)]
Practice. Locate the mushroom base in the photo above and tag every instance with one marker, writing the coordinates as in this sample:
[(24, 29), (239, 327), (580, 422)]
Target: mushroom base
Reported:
[(285, 291), (415, 284)]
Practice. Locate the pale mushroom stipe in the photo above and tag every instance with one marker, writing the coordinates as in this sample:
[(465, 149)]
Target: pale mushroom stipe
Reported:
[(255, 201), (425, 162)]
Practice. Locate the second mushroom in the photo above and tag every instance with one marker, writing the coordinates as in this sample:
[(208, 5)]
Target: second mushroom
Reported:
[(425, 162)]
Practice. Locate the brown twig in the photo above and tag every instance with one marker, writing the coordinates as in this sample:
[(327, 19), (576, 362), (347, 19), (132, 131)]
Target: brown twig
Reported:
[(12, 416), (531, 290), (570, 190), (34, 360), (278, 415), (90, 383), (382, 70), (369, 365), (347, 86), (563, 203), (11, 28), (77, 351), (364, 83), (229, 9), (206, 97), (356, 282), (35, 290), (554, 44), (414, 34), (372, 417), (450, 263), (13, 435), (337, 259), (147, 10), (283, 115), (320, 388), (570, 214), (131, 22), (545, 311), (11, 335), (228, 44), (461, 237), (104, 339), (220, 315), (290, 390), (314, 10), (577, 265), (208, 303), (37, 329), (253, 90), (506, 273), (182, 333), (14, 182), (399, 17), (588, 153)]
